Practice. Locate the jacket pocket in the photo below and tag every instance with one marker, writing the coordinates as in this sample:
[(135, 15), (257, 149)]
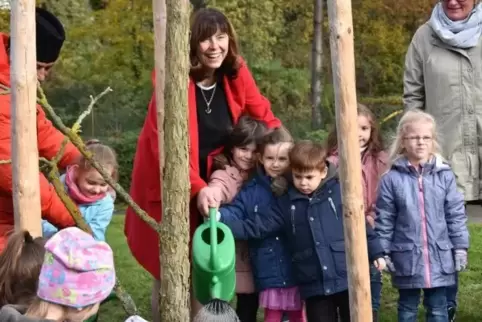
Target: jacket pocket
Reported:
[(444, 250), (403, 259), (265, 259), (305, 266), (339, 257)]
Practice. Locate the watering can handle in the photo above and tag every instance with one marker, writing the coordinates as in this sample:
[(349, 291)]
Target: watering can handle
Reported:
[(213, 227)]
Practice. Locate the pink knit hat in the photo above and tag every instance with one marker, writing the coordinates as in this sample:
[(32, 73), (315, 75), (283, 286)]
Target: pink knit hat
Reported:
[(78, 271)]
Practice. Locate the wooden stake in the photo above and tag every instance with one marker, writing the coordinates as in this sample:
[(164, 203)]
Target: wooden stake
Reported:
[(343, 63), (174, 229), (23, 78)]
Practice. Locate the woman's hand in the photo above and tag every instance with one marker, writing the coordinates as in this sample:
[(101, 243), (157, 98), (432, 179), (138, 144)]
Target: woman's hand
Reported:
[(205, 200)]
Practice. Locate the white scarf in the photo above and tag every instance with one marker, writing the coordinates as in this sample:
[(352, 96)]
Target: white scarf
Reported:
[(459, 34)]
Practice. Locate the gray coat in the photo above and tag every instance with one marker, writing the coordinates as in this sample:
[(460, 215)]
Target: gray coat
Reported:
[(447, 83), (420, 221)]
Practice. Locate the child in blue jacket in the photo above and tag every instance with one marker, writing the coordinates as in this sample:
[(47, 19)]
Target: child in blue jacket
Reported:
[(310, 215), (89, 191), (270, 258), (421, 220)]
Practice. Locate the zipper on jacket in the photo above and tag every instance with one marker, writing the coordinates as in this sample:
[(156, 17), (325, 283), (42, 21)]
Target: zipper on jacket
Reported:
[(425, 252), (332, 204), (256, 209), (293, 208)]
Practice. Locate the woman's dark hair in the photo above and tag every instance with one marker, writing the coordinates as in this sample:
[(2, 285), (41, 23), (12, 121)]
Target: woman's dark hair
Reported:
[(375, 145), (20, 265), (205, 23), (246, 131)]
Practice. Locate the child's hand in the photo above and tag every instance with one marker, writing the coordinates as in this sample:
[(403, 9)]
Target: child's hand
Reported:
[(380, 264), (460, 256), (370, 221), (389, 267)]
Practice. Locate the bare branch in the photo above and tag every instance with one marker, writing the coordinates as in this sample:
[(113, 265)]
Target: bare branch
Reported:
[(79, 144)]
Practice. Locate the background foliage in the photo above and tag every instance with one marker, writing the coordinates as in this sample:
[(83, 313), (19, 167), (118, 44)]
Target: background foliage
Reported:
[(110, 43)]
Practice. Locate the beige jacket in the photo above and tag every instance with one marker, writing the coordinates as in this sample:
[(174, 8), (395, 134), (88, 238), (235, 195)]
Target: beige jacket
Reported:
[(447, 83)]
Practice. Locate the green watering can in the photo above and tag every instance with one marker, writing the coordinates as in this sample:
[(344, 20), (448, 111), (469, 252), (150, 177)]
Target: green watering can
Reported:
[(213, 260)]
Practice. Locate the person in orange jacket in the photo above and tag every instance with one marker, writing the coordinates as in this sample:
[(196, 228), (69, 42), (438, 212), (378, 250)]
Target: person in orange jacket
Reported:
[(50, 37)]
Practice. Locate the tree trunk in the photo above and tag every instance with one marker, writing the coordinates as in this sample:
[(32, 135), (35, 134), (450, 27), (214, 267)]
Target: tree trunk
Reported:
[(25, 169), (317, 65), (174, 230), (343, 63), (160, 23)]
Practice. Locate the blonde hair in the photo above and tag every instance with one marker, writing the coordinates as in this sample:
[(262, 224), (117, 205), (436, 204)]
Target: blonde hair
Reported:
[(103, 154), (409, 117), (40, 309)]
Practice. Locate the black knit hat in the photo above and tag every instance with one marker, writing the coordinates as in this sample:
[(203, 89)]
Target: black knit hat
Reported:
[(50, 36)]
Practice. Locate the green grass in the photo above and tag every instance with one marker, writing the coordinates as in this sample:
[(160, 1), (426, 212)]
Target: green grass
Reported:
[(138, 283)]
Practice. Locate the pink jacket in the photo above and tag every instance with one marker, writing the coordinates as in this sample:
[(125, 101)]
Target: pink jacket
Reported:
[(373, 166), (226, 184)]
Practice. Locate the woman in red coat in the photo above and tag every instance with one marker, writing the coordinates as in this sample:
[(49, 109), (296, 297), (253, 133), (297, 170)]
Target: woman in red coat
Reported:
[(221, 89)]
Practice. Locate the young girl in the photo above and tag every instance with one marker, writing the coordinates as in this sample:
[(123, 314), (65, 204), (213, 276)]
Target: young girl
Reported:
[(310, 216), (76, 276), (374, 164), (269, 257), (231, 169), (421, 219), (20, 265), (89, 191)]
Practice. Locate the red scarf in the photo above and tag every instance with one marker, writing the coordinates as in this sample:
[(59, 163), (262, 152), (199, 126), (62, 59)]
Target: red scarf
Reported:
[(74, 191)]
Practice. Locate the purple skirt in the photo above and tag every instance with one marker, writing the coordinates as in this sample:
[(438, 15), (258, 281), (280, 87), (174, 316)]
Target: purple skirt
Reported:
[(281, 299)]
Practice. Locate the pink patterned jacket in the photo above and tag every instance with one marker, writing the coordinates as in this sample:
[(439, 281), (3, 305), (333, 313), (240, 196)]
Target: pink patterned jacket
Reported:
[(373, 166)]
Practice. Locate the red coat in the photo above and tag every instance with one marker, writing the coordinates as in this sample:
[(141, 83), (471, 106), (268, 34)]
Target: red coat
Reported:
[(243, 96), (49, 142)]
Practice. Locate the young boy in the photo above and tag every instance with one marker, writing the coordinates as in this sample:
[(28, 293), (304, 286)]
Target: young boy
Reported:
[(310, 214)]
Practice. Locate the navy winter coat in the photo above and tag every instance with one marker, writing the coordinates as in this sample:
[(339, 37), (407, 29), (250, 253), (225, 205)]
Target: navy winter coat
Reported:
[(314, 228), (270, 257)]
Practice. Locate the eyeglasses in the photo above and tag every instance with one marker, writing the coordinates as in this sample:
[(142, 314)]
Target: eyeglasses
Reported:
[(418, 138)]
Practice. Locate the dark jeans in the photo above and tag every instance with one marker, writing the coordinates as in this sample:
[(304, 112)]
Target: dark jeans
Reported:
[(375, 287), (434, 301), (247, 307), (324, 308), (452, 291)]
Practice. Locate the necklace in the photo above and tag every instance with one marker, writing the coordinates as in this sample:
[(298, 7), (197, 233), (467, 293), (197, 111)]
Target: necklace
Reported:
[(208, 109)]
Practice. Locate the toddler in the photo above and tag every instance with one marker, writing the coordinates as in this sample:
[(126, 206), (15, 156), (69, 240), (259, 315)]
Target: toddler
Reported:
[(89, 191)]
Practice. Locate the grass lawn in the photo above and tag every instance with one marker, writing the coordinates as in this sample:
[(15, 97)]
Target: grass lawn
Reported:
[(138, 283)]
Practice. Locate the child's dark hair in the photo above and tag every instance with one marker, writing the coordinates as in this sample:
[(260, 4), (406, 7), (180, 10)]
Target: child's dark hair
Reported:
[(103, 154), (20, 265), (307, 156), (246, 131), (276, 136), (375, 145)]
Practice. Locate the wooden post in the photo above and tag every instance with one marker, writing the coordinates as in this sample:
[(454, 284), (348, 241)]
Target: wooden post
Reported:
[(343, 64), (174, 229), (23, 78)]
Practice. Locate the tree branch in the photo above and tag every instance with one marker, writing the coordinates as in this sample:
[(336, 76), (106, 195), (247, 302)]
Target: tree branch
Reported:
[(77, 141)]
